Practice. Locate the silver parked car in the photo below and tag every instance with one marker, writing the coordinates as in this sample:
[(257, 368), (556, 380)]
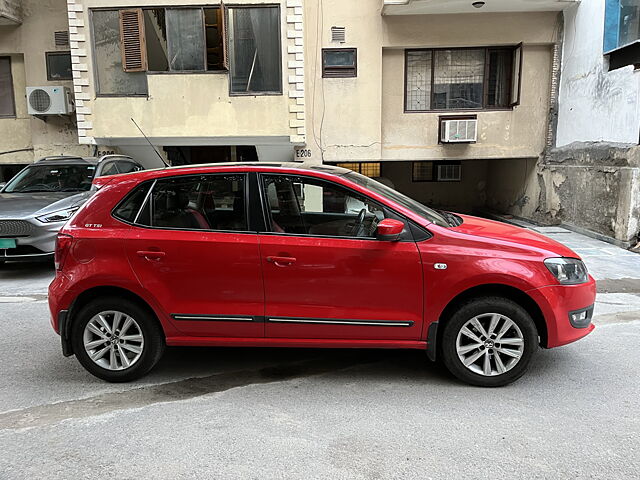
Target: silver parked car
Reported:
[(38, 201)]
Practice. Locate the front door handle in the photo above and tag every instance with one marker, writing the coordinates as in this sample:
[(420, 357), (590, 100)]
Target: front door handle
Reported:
[(151, 254), (281, 261)]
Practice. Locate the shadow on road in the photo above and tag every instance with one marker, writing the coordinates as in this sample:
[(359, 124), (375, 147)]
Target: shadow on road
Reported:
[(12, 271)]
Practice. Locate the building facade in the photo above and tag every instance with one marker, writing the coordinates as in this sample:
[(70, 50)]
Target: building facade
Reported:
[(469, 106), (593, 173), (34, 52)]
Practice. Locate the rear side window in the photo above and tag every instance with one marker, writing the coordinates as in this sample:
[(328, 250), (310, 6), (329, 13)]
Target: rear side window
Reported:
[(203, 202), (128, 209)]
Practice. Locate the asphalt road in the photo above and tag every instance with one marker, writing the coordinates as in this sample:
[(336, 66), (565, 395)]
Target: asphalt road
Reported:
[(278, 413)]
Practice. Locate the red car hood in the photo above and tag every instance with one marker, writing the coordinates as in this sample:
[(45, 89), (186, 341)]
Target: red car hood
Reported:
[(480, 227)]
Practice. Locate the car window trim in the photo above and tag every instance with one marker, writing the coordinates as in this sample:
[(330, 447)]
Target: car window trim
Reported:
[(148, 196), (267, 211), (144, 202)]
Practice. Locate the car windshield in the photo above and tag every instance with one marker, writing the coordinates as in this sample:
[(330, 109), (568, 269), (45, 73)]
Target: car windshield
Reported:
[(52, 178), (429, 214)]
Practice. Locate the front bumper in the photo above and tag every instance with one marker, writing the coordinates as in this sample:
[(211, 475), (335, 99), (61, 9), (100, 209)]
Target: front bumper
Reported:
[(39, 243), (558, 303)]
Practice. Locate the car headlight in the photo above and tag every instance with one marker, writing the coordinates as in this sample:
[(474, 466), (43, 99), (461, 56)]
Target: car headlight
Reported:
[(58, 215), (568, 271)]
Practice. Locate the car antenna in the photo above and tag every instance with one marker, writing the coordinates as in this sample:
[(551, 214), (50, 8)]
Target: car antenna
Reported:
[(151, 144)]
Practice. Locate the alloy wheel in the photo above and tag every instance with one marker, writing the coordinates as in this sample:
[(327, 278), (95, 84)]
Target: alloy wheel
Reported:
[(113, 340), (490, 344)]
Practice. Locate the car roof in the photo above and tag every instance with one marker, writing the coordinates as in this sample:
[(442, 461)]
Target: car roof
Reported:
[(73, 160), (68, 160), (249, 166)]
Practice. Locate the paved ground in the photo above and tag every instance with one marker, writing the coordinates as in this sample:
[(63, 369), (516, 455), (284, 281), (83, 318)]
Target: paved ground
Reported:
[(270, 413)]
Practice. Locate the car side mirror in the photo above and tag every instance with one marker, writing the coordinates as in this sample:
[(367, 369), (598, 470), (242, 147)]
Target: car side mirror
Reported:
[(389, 230), (2, 184)]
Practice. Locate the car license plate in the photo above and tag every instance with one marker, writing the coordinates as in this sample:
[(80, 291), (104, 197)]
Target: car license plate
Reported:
[(7, 243)]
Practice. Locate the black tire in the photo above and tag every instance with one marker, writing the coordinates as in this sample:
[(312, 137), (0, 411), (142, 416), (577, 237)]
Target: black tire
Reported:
[(152, 333), (480, 306)]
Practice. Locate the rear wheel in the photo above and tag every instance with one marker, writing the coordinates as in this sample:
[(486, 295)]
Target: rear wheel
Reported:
[(116, 340), (489, 342)]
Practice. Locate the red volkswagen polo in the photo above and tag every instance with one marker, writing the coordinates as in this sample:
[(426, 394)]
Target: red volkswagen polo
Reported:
[(290, 255)]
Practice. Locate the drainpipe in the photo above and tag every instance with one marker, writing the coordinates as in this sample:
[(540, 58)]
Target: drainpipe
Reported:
[(556, 71)]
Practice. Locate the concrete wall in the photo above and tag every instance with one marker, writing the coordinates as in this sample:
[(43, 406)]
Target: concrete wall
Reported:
[(594, 104), (595, 187), (26, 44)]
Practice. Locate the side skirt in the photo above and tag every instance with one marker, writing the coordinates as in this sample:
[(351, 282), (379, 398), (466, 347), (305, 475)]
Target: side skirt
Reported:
[(292, 342)]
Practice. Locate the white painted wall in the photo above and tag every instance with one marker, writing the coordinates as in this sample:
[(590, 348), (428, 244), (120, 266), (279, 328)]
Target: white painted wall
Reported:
[(594, 105)]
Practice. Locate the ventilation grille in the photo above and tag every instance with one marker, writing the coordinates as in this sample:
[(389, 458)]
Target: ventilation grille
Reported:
[(338, 34), (61, 38), (449, 173), (14, 228), (39, 100)]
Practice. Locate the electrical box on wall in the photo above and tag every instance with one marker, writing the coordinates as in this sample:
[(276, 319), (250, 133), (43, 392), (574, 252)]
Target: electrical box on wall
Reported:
[(49, 101)]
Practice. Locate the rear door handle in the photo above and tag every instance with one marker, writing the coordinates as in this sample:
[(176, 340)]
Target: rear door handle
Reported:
[(151, 254), (281, 261)]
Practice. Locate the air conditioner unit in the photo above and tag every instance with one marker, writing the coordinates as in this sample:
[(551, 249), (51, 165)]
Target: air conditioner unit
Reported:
[(457, 130), (49, 101)]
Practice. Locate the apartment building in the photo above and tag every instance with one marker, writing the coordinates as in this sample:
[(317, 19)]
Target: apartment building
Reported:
[(420, 67), (34, 52), (373, 84)]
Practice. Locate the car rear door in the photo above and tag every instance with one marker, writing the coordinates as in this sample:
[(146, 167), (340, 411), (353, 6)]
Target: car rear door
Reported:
[(191, 248), (326, 276)]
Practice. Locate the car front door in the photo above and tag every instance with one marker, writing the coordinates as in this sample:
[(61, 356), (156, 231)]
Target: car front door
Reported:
[(326, 276), (191, 248)]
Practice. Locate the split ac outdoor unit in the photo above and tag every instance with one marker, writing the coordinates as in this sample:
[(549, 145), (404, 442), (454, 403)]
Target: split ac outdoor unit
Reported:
[(458, 130), (49, 101)]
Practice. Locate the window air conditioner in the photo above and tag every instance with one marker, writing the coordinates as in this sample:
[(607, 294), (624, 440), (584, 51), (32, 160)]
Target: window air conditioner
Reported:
[(49, 101), (458, 130)]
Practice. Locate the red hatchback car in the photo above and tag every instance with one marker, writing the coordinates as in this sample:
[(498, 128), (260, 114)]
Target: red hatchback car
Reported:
[(293, 255)]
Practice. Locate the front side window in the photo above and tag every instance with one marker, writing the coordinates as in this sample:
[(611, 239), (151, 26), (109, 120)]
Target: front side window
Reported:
[(204, 202), (127, 167), (462, 79), (7, 105), (254, 49), (52, 178), (410, 204), (306, 206)]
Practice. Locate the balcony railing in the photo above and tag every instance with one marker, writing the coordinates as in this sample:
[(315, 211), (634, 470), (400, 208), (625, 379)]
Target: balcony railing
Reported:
[(427, 7), (10, 12)]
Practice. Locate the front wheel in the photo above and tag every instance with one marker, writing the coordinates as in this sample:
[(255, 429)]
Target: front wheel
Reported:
[(489, 342), (116, 340)]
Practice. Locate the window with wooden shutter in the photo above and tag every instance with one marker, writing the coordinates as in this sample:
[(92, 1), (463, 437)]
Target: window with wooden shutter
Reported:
[(132, 40)]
